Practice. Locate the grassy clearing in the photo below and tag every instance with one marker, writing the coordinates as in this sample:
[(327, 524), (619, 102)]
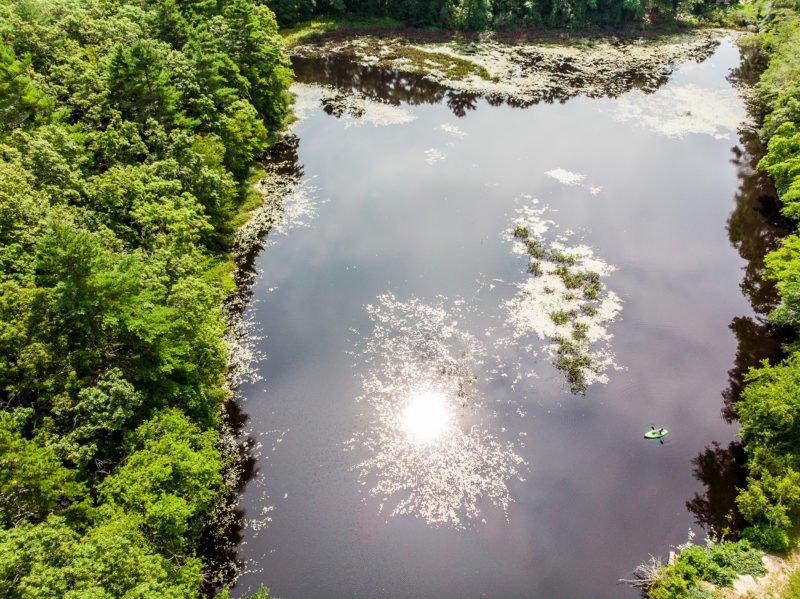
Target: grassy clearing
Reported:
[(222, 269), (316, 27)]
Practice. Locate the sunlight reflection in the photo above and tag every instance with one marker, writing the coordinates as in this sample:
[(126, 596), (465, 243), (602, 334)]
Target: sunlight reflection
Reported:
[(427, 417), (431, 447)]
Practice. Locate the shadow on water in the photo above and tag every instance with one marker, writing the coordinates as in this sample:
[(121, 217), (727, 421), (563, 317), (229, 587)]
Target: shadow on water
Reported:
[(755, 228), (392, 87), (222, 535), (722, 471), (383, 85), (283, 164)]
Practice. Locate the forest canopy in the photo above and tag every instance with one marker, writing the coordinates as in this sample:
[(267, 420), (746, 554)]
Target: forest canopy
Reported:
[(478, 15), (128, 134)]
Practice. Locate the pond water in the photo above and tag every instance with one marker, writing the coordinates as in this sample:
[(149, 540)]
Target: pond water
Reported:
[(469, 314)]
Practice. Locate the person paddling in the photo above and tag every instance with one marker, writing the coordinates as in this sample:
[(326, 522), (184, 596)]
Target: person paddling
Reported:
[(654, 433)]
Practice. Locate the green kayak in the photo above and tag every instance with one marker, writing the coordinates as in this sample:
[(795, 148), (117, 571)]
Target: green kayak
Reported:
[(656, 434)]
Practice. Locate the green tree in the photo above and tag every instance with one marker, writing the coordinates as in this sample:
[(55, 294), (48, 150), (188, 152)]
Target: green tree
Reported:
[(244, 136), (56, 160), (97, 420), (217, 77), (21, 102), (170, 477), (139, 84), (770, 426), (472, 14), (33, 483), (21, 212), (122, 309), (256, 47), (111, 561), (783, 266)]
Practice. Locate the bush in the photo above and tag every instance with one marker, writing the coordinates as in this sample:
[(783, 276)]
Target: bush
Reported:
[(718, 564), (769, 538)]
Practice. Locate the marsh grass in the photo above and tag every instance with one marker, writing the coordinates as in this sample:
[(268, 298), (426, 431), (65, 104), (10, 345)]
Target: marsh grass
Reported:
[(573, 360), (423, 62), (521, 232)]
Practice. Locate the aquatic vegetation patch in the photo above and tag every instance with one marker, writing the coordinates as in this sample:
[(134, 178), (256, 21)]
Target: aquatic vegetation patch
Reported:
[(677, 111), (563, 301), (353, 107), (452, 130), (524, 74), (422, 61), (393, 53), (572, 179), (433, 450), (432, 156)]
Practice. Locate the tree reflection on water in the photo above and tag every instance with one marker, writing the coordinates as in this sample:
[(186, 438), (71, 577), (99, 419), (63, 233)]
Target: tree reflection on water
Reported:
[(222, 536), (755, 228), (721, 470), (342, 72)]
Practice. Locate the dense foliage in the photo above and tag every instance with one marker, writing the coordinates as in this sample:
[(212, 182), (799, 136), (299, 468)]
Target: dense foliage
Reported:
[(127, 132), (472, 15), (769, 410)]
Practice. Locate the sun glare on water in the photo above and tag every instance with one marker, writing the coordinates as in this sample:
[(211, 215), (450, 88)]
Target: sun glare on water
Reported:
[(430, 447), (426, 418)]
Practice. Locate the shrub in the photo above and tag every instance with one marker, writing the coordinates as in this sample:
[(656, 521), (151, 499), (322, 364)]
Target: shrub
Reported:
[(769, 538)]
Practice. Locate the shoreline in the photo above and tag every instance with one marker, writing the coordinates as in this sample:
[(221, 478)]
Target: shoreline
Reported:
[(225, 522), (569, 66), (527, 73)]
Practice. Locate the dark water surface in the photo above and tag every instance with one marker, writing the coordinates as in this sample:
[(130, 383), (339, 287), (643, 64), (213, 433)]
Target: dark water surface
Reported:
[(395, 277)]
